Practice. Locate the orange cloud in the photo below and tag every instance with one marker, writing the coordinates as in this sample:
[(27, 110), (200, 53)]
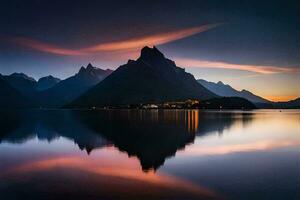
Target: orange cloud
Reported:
[(261, 69), (44, 47), (125, 45), (157, 39)]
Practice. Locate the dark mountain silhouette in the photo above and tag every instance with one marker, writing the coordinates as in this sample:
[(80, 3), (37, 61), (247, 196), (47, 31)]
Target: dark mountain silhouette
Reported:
[(151, 78), (288, 104), (225, 90), (155, 136), (19, 126), (23, 83), (50, 91), (23, 76), (46, 82), (151, 140), (10, 97), (28, 85), (151, 136), (67, 90)]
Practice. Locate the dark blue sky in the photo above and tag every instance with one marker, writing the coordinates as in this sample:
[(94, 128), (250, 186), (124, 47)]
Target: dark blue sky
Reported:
[(254, 35)]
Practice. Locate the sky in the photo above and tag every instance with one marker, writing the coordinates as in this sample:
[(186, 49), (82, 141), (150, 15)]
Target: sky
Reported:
[(253, 45)]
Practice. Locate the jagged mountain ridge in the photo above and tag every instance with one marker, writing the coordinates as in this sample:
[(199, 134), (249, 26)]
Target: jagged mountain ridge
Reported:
[(23, 83), (288, 104), (67, 90), (225, 90), (46, 82), (50, 91), (10, 97), (149, 79)]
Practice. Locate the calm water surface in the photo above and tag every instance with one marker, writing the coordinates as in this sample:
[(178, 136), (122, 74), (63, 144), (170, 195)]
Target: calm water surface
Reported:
[(130, 154)]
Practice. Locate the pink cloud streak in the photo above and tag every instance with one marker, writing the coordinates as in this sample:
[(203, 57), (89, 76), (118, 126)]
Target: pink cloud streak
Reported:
[(261, 69), (156, 39), (124, 45), (45, 47)]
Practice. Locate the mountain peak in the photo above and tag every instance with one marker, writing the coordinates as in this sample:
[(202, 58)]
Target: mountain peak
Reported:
[(82, 70), (88, 69), (47, 82), (90, 66), (93, 73), (152, 78), (130, 61), (226, 90), (243, 90), (49, 77), (150, 53), (22, 75)]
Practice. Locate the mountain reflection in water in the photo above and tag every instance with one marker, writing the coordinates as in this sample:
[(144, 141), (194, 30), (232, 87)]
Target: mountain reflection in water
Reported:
[(151, 136), (150, 154)]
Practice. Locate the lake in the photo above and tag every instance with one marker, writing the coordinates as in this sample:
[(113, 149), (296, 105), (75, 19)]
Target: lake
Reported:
[(150, 154)]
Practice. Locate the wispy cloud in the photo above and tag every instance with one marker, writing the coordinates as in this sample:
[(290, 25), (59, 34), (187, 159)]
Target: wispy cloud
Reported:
[(46, 47), (122, 45), (261, 69), (157, 39)]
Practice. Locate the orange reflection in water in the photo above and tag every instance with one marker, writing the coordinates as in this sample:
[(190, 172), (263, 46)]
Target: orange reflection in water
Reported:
[(267, 131), (192, 121), (110, 163), (189, 119), (234, 148)]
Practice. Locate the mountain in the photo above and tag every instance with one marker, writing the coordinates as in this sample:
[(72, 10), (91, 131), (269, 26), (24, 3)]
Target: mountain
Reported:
[(47, 82), (224, 90), (151, 78), (10, 97), (67, 90), (288, 104), (23, 83), (22, 76)]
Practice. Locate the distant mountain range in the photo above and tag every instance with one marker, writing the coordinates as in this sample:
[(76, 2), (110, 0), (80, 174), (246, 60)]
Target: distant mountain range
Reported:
[(50, 91), (47, 82), (67, 90), (151, 78), (29, 85), (224, 90), (10, 96), (23, 83), (289, 104)]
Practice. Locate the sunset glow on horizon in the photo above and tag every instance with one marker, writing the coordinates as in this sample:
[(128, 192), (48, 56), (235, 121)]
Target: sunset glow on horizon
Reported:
[(282, 98), (149, 100), (235, 45)]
